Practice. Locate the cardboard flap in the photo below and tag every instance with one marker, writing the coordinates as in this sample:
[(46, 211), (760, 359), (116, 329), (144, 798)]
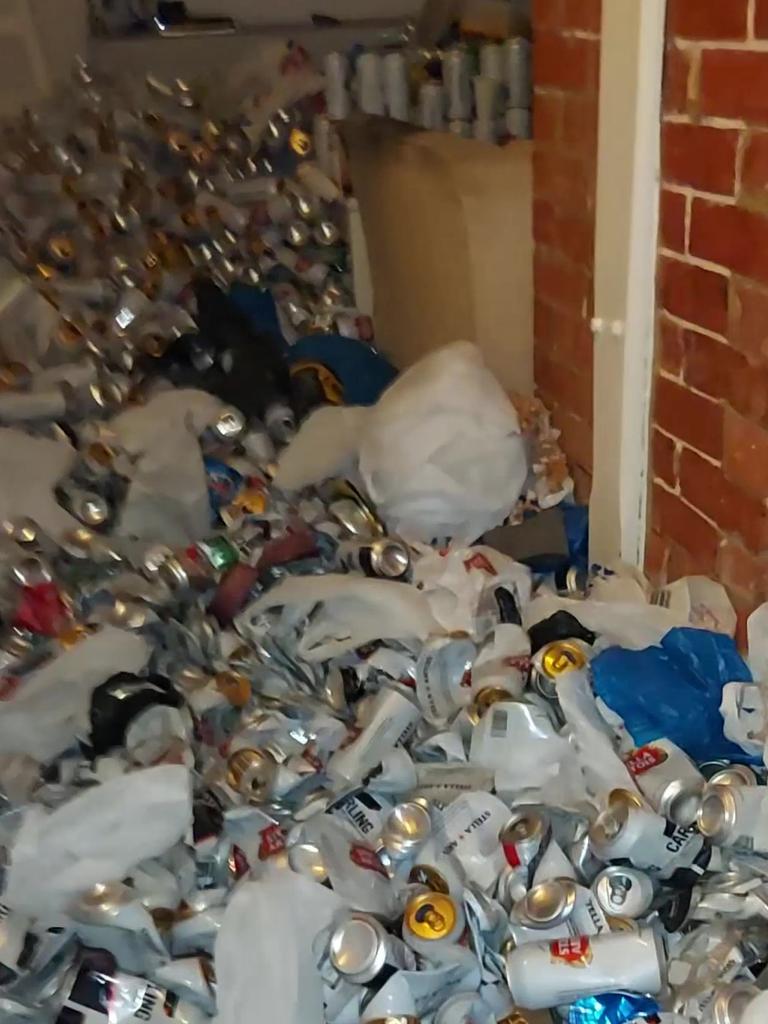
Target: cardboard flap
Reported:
[(447, 223)]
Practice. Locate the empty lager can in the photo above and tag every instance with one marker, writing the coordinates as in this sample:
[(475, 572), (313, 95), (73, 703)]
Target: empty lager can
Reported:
[(431, 106), (432, 922), (456, 82), (522, 837), (407, 827), (384, 558), (336, 69), (552, 661), (668, 779), (545, 974), (731, 775), (517, 58), (624, 891), (361, 950), (735, 816), (627, 832)]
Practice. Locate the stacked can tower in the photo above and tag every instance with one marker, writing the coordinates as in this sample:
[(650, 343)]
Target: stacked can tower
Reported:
[(483, 93)]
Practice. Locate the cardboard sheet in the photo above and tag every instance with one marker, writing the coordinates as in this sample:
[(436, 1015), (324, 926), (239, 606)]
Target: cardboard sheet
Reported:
[(448, 228)]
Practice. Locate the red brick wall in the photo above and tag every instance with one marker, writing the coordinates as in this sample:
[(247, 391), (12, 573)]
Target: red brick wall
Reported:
[(710, 421), (566, 73)]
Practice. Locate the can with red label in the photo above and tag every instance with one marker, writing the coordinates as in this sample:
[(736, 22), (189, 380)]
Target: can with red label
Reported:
[(545, 974), (668, 779), (522, 837)]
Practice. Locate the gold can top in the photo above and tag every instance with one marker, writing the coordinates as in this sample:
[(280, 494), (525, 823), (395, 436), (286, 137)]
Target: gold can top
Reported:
[(561, 656), (432, 915)]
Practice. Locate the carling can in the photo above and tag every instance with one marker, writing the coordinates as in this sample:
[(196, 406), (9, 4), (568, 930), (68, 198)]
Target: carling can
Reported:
[(545, 974), (644, 838)]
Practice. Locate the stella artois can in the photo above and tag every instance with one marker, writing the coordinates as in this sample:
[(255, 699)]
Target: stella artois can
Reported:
[(545, 974), (668, 779)]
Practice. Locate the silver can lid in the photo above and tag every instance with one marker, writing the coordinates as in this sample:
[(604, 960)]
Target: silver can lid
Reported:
[(356, 945), (717, 814), (681, 800), (91, 509), (547, 904), (407, 826), (733, 775), (523, 827), (390, 558), (306, 859), (622, 891), (609, 824)]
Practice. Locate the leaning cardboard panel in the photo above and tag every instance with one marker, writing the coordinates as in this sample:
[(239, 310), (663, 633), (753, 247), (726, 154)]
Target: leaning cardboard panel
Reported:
[(447, 223)]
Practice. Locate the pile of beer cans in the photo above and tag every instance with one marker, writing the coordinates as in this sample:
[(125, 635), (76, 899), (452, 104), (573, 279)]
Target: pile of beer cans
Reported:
[(483, 93), (447, 783)]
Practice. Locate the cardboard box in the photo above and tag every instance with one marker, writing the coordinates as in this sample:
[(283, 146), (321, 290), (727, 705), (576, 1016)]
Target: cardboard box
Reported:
[(448, 230)]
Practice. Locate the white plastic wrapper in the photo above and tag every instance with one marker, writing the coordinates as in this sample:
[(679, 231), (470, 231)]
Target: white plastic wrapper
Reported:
[(50, 708), (97, 836), (349, 611), (167, 500), (264, 953), (591, 739), (757, 639), (31, 494), (745, 716), (454, 582), (440, 453), (468, 830)]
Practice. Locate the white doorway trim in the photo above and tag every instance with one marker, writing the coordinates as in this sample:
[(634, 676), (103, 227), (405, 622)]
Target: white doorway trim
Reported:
[(626, 229)]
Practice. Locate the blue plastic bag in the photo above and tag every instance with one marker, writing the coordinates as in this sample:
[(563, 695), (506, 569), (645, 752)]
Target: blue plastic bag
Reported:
[(612, 1008), (674, 690)]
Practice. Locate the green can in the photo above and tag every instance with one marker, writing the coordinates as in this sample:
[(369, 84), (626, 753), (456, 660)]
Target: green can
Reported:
[(220, 553)]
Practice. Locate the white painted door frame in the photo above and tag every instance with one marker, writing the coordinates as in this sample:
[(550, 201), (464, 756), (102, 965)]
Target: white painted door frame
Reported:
[(626, 229)]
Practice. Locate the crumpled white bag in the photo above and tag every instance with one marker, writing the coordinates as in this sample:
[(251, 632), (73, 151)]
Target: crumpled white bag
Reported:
[(744, 708), (167, 500), (263, 956), (98, 836), (26, 493), (50, 708), (454, 580), (440, 454), (349, 611)]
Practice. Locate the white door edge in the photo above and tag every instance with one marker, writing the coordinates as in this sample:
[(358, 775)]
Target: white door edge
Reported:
[(632, 58)]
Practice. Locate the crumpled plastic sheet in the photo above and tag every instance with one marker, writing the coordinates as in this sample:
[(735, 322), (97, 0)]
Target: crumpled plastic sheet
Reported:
[(613, 1008), (94, 837)]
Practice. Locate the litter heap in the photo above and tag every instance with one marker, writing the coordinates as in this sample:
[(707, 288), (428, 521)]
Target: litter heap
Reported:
[(314, 730)]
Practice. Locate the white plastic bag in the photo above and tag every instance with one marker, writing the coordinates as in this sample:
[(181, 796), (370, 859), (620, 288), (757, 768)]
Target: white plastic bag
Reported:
[(440, 453), (96, 837), (167, 500), (50, 708), (349, 611), (264, 964)]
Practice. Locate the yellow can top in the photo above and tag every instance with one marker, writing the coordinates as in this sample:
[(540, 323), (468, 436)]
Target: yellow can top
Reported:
[(560, 657), (432, 915)]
